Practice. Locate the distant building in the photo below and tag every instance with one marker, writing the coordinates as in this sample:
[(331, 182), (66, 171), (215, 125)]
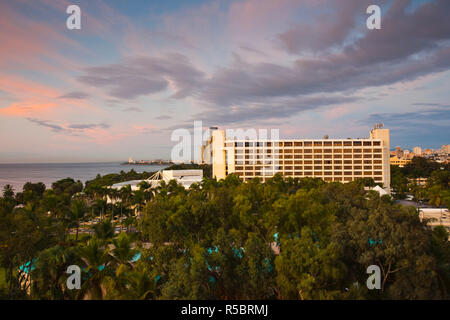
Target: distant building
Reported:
[(419, 181), (436, 217), (446, 148), (417, 151), (130, 160), (399, 152), (340, 160), (401, 162)]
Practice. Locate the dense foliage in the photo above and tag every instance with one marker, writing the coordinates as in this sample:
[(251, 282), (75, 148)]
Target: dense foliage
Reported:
[(436, 191), (282, 239)]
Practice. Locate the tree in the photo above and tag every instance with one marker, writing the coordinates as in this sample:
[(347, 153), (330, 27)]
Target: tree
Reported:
[(8, 192), (77, 212), (96, 258), (104, 230)]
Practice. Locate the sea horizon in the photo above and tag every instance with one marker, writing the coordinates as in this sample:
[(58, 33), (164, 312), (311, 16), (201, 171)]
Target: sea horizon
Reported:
[(17, 174)]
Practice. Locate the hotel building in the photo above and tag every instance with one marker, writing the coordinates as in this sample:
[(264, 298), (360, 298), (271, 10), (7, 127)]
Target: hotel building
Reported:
[(341, 160)]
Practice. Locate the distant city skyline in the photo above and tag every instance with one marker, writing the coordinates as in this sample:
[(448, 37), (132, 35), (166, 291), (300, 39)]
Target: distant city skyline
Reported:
[(137, 70)]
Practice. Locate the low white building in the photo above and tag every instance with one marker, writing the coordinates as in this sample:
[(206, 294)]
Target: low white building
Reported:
[(183, 177), (436, 216)]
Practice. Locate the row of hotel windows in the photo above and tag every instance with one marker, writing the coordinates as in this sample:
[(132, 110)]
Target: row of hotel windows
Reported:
[(297, 162), (335, 151), (317, 174), (302, 143), (319, 160), (328, 179), (257, 168), (317, 156)]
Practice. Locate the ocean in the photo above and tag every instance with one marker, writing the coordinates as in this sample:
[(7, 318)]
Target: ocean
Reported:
[(19, 174)]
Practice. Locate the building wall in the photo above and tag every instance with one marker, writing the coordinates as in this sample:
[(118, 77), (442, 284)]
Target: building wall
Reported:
[(340, 160), (401, 162)]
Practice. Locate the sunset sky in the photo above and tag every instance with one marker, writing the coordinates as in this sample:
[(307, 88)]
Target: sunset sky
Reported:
[(139, 69)]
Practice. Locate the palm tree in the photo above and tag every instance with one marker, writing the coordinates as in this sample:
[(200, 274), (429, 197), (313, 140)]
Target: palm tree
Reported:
[(125, 196), (97, 259), (104, 229), (77, 212), (122, 252)]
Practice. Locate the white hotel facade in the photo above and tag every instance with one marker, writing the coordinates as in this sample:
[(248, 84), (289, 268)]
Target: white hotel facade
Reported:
[(341, 160)]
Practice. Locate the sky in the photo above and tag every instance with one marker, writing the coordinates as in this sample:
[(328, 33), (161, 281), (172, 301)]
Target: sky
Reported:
[(138, 70)]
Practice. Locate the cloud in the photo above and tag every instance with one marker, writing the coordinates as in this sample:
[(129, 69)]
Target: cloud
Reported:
[(428, 126), (421, 117), (410, 44), (327, 27), (75, 95), (270, 109), (343, 57), (145, 76), (132, 109), (163, 117), (68, 128), (47, 124), (88, 126)]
